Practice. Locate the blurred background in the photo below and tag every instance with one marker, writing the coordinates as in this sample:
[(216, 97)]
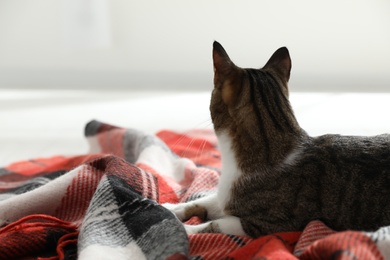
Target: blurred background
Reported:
[(123, 44), (147, 65)]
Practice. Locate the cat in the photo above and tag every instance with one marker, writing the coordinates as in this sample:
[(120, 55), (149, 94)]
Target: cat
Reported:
[(274, 176)]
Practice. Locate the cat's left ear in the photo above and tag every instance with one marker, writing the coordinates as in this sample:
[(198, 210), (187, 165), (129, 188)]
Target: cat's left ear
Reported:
[(280, 62), (223, 66), (225, 73)]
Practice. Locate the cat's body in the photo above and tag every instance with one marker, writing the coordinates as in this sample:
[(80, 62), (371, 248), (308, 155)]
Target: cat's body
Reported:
[(274, 176), (325, 180)]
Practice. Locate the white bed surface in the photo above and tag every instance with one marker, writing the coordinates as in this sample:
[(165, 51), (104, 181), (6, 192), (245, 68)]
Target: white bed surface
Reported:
[(43, 123)]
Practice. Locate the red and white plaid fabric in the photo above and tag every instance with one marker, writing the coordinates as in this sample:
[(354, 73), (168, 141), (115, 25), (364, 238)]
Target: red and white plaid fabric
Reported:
[(106, 205)]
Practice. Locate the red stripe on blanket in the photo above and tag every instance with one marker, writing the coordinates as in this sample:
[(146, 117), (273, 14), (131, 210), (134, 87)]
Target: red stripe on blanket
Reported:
[(30, 235), (202, 180), (201, 149), (79, 194), (165, 191), (143, 182), (313, 231), (343, 245), (49, 164), (215, 246), (276, 246)]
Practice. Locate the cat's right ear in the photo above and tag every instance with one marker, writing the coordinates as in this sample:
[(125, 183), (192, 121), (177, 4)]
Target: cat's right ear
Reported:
[(280, 62)]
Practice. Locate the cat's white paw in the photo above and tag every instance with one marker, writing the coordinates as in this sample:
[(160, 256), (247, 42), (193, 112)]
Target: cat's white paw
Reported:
[(200, 228), (192, 229), (177, 209)]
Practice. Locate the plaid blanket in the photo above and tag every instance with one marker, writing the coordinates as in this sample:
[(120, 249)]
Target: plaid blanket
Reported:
[(106, 205)]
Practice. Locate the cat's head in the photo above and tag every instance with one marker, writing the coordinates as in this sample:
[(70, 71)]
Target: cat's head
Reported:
[(250, 98)]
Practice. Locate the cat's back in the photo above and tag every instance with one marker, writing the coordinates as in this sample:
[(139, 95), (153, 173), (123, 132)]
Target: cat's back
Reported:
[(352, 149), (352, 179), (336, 156)]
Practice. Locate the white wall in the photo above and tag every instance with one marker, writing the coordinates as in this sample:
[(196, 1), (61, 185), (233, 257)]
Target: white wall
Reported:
[(334, 44)]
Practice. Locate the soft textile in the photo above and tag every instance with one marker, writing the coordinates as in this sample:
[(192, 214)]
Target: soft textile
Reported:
[(106, 205)]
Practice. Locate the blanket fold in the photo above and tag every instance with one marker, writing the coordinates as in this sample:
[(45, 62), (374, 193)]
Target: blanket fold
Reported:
[(107, 205)]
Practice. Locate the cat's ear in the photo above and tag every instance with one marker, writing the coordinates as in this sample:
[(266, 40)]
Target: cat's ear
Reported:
[(224, 74), (223, 66), (280, 62)]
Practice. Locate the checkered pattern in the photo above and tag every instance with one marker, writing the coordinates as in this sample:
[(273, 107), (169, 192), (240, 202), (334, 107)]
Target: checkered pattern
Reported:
[(106, 205)]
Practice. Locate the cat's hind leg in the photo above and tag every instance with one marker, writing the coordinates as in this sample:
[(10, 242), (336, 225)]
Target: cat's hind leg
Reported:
[(227, 225)]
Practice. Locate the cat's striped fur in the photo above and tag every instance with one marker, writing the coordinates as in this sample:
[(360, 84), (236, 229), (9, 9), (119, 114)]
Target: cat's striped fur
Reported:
[(281, 178)]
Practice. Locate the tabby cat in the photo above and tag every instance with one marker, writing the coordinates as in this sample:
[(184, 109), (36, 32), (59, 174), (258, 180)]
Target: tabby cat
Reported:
[(274, 176)]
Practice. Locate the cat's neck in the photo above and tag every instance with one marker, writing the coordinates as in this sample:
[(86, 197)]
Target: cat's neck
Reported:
[(254, 152)]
